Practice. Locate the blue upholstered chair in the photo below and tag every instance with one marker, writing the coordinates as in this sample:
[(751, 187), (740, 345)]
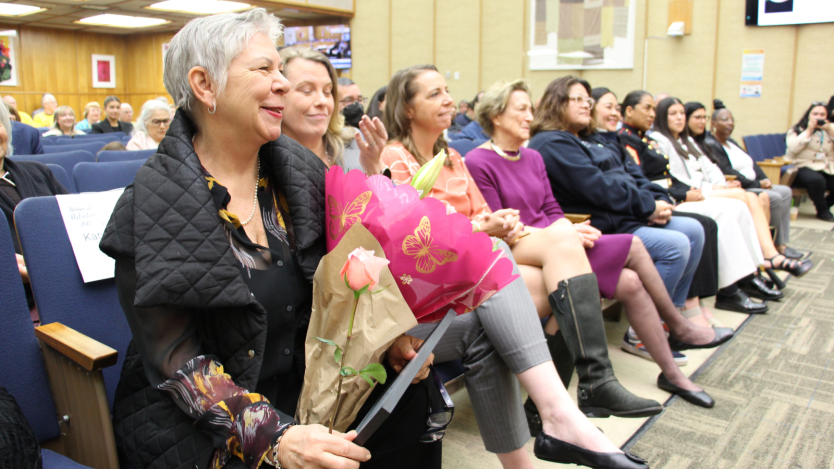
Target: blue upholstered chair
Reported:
[(464, 146), (92, 146), (61, 175), (67, 159), (22, 369), (109, 156), (98, 177), (79, 139)]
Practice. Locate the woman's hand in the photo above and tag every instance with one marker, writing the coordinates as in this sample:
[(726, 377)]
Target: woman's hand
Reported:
[(736, 183), (21, 267), (765, 184), (371, 139), (501, 223), (662, 213), (311, 446), (402, 351), (694, 195), (587, 233)]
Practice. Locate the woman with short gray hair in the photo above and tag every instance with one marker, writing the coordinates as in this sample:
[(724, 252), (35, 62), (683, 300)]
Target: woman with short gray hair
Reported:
[(226, 229), (153, 122)]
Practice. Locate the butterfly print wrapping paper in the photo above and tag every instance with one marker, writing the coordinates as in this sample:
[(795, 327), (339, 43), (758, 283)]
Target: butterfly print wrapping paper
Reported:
[(437, 260)]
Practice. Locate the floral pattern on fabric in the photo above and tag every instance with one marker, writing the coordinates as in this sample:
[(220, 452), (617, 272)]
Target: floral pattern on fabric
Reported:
[(273, 213), (241, 424)]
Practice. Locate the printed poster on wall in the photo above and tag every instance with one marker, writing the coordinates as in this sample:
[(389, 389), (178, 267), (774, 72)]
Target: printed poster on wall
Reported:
[(8, 61), (752, 73)]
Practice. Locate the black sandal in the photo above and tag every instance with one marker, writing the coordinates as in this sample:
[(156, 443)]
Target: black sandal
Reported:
[(792, 266)]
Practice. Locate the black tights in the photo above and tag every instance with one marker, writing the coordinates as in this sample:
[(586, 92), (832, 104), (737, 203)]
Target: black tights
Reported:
[(816, 182)]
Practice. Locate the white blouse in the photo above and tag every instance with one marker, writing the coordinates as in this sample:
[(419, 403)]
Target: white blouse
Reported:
[(696, 171), (740, 161)]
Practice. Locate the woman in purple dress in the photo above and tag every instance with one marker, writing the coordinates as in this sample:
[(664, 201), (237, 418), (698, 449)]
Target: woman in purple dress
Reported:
[(510, 175)]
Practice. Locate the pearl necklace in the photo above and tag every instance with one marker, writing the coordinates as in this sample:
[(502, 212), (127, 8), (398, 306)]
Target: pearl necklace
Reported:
[(255, 200), (504, 155)]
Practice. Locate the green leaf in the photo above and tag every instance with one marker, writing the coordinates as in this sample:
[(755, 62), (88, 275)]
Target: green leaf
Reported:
[(363, 289), (328, 342), (375, 371), (383, 289), (348, 371), (366, 378), (337, 355)]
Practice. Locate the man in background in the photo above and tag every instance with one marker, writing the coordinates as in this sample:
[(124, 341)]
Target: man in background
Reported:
[(351, 101), (126, 113), (24, 117), (47, 117)]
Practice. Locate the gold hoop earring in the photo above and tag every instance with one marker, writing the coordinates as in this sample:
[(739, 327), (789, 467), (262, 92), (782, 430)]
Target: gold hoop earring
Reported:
[(214, 109)]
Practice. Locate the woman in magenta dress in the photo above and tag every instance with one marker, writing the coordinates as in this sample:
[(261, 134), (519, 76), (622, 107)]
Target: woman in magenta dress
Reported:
[(510, 175)]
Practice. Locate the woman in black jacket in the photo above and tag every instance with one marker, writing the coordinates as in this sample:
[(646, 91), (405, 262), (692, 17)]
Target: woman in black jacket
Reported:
[(216, 244)]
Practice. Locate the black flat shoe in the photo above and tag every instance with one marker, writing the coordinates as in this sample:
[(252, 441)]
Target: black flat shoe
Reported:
[(722, 334), (739, 302), (550, 449), (825, 216), (757, 288), (699, 398)]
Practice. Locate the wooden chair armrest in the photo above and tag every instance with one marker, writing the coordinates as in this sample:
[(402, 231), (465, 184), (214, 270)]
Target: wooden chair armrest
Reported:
[(730, 177), (86, 352), (770, 164), (577, 217)]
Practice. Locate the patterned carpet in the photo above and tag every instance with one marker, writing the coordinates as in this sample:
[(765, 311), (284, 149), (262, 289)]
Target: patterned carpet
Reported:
[(773, 384)]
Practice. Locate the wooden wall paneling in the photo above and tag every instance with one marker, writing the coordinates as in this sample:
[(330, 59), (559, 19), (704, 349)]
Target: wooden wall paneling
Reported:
[(88, 44), (412, 34), (370, 32), (141, 64), (458, 26)]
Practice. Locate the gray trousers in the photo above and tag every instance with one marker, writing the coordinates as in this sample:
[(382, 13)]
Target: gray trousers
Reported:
[(497, 340), (780, 211)]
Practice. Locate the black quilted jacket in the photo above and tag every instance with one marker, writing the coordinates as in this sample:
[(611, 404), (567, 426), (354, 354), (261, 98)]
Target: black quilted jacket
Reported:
[(166, 225)]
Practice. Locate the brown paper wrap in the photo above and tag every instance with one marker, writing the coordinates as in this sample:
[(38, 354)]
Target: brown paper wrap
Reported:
[(380, 318)]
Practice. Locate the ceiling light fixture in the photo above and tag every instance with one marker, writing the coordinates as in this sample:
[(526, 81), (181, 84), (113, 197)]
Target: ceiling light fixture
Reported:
[(122, 21), (200, 7), (13, 9)]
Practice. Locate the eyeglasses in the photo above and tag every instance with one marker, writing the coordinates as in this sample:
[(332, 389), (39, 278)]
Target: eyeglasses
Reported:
[(441, 410), (701, 118), (579, 99), (160, 122), (349, 101)]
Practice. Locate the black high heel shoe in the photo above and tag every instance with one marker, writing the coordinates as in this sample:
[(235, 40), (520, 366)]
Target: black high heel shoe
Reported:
[(792, 266), (550, 449), (780, 284)]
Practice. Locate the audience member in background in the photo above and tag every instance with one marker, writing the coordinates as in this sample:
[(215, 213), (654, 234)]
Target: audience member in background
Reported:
[(20, 180), (246, 345), (473, 131), (112, 110), (154, 119), (738, 248), (126, 113), (92, 115), (810, 149), (64, 123), (311, 121), (27, 139), (351, 106), (706, 181), (173, 111), (417, 111), (466, 114), (588, 176), (377, 103), (113, 146), (511, 176), (24, 117), (728, 155), (46, 118)]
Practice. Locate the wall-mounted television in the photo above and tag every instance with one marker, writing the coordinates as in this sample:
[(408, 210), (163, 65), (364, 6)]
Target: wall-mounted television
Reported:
[(783, 12), (332, 41)]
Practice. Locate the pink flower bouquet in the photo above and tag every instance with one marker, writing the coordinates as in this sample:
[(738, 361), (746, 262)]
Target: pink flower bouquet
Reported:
[(436, 259)]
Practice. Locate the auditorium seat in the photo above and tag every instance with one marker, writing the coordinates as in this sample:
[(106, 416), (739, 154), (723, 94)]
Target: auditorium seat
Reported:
[(79, 139), (22, 369), (92, 146), (464, 146), (98, 177), (93, 308), (67, 160), (61, 175), (113, 155), (765, 146)]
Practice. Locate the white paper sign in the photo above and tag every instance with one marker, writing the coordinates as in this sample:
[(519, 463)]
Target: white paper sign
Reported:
[(85, 218)]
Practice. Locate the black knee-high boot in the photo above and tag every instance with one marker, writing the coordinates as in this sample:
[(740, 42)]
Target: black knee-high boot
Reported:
[(577, 309)]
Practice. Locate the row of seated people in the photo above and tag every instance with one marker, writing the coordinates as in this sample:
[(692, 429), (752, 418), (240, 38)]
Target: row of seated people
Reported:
[(149, 129), (275, 125)]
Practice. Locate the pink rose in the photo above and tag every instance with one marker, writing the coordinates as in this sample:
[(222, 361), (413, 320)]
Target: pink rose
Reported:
[(362, 268)]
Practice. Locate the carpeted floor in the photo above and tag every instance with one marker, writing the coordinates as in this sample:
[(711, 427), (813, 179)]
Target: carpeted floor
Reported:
[(773, 384)]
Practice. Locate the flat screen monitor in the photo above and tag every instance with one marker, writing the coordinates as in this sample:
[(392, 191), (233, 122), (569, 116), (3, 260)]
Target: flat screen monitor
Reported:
[(331, 40), (785, 12)]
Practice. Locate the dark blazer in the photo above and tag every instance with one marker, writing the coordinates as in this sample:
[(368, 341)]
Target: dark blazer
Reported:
[(171, 252), (104, 127), (25, 140), (597, 177), (654, 163), (722, 159)]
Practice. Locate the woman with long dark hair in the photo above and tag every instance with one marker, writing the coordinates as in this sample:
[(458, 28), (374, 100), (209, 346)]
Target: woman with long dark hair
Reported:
[(810, 149)]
